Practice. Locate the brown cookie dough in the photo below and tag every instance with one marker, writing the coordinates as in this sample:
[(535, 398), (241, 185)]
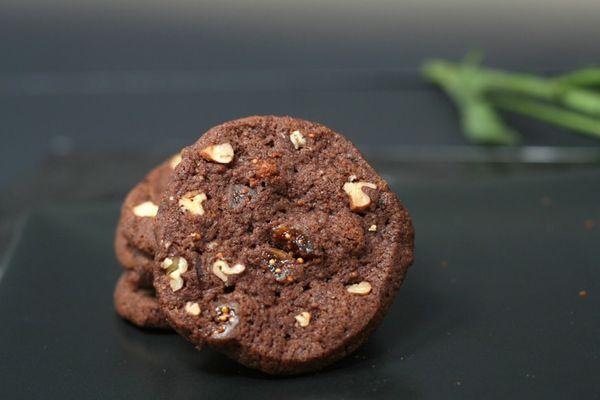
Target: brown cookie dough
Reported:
[(133, 259), (137, 304), (135, 242), (283, 247), (135, 245)]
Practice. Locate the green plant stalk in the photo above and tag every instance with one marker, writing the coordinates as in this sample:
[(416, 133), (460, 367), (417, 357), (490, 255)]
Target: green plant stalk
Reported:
[(582, 77), (485, 80), (558, 116), (479, 121)]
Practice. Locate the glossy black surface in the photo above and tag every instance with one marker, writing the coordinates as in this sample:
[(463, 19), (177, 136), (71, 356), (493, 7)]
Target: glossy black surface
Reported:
[(123, 74), (491, 308)]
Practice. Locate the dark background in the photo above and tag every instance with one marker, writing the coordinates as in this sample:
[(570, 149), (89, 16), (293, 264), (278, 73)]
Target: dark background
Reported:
[(124, 76), (94, 93)]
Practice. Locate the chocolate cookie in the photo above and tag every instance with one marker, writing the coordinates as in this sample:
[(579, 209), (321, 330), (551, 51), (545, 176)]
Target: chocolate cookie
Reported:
[(135, 245), (133, 259), (135, 242), (282, 247), (137, 304)]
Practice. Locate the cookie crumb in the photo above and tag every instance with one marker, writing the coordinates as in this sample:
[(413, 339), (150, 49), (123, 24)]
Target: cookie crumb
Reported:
[(545, 201)]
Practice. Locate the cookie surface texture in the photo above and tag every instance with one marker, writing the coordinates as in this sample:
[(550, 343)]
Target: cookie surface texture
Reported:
[(286, 248), (135, 240), (138, 304)]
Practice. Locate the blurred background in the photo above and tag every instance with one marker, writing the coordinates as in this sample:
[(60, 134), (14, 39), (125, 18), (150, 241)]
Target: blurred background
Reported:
[(108, 76), (92, 93), (133, 81)]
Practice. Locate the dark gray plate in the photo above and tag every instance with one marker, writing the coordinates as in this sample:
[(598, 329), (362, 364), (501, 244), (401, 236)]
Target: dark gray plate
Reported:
[(491, 308)]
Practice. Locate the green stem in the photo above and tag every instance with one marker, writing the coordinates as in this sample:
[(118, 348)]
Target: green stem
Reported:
[(484, 80), (582, 77), (549, 113), (479, 121)]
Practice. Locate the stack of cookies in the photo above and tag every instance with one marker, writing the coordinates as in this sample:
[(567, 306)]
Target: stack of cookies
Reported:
[(270, 239), (135, 247)]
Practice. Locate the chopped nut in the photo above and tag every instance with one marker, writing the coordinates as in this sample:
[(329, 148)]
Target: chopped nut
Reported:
[(352, 178), (175, 160), (192, 202), (589, 224), (170, 264), (298, 140), (217, 269), (146, 209), (359, 200), (176, 283), (192, 308), (303, 319), (235, 270), (175, 266), (361, 288), (221, 153), (373, 228), (221, 269), (212, 245)]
